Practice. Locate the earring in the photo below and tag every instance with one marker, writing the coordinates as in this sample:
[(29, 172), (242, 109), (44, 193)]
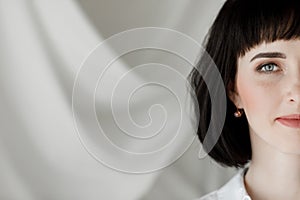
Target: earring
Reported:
[(238, 113)]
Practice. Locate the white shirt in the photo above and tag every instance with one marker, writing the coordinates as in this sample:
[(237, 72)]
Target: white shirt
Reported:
[(234, 189)]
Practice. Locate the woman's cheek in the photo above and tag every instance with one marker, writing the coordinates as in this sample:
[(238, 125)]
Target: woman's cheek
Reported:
[(254, 96)]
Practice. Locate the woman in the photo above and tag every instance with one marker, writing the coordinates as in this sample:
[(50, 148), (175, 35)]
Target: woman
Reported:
[(256, 47)]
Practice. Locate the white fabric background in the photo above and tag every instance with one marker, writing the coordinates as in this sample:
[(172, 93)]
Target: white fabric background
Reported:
[(42, 46)]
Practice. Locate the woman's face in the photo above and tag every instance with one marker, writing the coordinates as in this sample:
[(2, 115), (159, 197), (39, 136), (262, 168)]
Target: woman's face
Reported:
[(268, 89)]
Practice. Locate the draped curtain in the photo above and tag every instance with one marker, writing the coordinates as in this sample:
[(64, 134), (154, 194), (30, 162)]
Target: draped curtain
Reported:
[(45, 48)]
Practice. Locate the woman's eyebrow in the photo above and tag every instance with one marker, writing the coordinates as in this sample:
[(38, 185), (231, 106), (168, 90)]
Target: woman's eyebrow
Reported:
[(269, 55)]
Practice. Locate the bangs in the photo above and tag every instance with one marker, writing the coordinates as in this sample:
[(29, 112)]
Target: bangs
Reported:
[(265, 21), (239, 26)]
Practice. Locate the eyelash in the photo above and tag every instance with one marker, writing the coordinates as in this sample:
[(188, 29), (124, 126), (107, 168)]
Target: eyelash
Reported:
[(261, 68)]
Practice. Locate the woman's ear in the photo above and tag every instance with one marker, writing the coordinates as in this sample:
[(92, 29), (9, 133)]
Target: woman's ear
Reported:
[(233, 95)]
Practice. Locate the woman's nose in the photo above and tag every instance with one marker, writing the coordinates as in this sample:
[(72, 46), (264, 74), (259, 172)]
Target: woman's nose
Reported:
[(294, 87)]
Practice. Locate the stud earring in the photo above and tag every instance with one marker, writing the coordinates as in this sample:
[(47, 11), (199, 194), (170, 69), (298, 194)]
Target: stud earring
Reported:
[(238, 113)]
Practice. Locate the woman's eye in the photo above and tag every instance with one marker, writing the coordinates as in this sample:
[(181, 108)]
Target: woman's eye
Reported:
[(268, 68)]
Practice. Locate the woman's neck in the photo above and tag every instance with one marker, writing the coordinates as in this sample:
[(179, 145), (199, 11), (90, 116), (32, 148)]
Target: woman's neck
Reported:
[(272, 174)]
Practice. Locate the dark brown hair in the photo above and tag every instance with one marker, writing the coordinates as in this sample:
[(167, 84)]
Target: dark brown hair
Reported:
[(239, 26)]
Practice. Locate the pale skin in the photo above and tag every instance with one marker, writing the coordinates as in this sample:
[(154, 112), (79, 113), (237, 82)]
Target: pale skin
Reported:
[(268, 87)]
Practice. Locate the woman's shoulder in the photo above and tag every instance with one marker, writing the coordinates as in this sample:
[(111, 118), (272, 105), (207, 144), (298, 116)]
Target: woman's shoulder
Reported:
[(234, 189)]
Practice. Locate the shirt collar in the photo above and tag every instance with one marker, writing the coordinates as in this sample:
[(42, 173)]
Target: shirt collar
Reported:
[(235, 188)]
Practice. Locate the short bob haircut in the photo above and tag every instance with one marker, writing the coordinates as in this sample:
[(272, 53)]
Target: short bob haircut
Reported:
[(239, 26)]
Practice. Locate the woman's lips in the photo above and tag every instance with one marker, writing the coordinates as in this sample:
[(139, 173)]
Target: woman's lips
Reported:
[(292, 121)]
